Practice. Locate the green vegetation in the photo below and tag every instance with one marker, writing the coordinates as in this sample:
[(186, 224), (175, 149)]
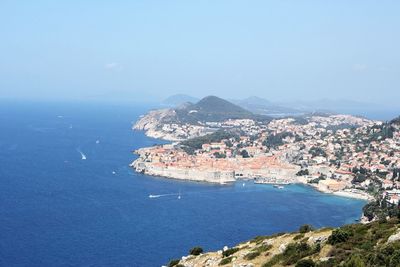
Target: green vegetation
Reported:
[(225, 261), (219, 155), (338, 236), (305, 228), (303, 172), (261, 238), (296, 251), (263, 248), (395, 121), (298, 237), (252, 255), (275, 140), (214, 109), (316, 180), (305, 263), (317, 151), (173, 263), (196, 251), (349, 246), (244, 153), (230, 252), (196, 143)]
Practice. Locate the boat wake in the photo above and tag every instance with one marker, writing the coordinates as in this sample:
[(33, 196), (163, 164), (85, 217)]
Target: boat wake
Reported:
[(82, 155), (165, 195)]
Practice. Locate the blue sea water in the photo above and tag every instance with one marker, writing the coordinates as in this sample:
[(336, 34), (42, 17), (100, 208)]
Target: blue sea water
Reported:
[(59, 210)]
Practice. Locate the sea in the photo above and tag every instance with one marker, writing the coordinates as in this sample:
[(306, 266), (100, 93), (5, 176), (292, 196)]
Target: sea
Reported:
[(69, 198)]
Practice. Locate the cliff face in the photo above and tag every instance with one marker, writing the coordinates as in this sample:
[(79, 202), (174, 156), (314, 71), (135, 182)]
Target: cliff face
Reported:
[(152, 123), (361, 245), (165, 124)]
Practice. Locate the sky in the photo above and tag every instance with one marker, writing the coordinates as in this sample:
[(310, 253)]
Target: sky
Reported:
[(146, 50)]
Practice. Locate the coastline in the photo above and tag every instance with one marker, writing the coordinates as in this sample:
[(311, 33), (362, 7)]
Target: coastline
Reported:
[(348, 193), (226, 178)]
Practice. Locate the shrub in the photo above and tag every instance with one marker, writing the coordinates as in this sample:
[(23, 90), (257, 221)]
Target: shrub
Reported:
[(196, 251), (305, 228), (305, 263), (173, 263), (252, 255), (299, 236), (230, 252), (225, 261), (259, 239), (273, 261), (338, 236), (263, 248), (296, 251), (354, 261)]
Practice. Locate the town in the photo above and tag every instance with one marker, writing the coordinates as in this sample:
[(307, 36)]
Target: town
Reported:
[(340, 154)]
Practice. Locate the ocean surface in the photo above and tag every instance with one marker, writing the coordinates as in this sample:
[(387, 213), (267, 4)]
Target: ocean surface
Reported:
[(58, 209)]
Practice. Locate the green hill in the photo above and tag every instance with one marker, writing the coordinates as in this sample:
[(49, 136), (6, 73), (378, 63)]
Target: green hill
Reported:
[(396, 121), (214, 109)]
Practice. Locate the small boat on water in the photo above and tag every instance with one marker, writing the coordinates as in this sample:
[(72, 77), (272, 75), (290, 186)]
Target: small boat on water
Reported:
[(83, 156), (153, 196), (278, 186)]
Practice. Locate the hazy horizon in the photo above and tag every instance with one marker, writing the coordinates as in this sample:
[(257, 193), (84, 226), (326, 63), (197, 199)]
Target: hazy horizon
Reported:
[(282, 51)]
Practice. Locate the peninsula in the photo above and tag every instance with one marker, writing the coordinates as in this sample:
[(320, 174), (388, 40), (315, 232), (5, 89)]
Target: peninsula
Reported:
[(216, 141)]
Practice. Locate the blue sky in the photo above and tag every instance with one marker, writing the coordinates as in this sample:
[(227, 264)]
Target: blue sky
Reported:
[(280, 50)]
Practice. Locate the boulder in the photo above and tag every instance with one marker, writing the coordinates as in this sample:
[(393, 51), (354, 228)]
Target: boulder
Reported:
[(282, 248), (394, 237)]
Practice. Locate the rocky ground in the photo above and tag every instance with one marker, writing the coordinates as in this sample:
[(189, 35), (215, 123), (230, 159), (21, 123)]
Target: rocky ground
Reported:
[(363, 245)]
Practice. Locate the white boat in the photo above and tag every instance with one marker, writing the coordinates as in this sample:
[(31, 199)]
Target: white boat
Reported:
[(153, 196)]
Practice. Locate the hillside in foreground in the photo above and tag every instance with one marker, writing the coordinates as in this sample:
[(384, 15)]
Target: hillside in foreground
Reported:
[(358, 245)]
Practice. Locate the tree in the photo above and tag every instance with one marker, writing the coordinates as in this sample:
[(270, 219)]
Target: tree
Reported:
[(196, 251), (244, 153), (338, 236), (305, 228), (302, 172), (305, 263)]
